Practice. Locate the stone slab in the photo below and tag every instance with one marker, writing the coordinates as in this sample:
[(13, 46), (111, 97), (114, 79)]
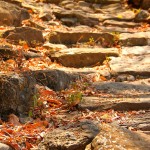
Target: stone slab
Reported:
[(137, 65), (72, 138), (122, 24), (82, 57), (135, 39), (138, 88), (103, 2), (139, 121), (120, 104), (73, 37), (136, 50), (115, 137)]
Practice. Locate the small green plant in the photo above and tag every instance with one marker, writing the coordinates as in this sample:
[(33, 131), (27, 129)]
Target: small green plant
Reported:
[(136, 11), (106, 62), (108, 59), (91, 41), (35, 100), (74, 98), (34, 105), (30, 114), (116, 38)]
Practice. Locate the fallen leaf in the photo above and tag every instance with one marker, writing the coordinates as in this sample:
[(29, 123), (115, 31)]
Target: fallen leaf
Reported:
[(13, 119)]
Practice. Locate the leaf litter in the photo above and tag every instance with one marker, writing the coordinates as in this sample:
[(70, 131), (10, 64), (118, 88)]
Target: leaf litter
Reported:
[(52, 110)]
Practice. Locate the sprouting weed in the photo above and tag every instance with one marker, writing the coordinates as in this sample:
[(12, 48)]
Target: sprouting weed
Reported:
[(136, 11), (74, 98), (21, 42), (116, 37), (91, 41), (35, 100), (108, 59)]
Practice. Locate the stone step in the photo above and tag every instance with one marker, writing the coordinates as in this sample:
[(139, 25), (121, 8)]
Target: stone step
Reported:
[(112, 136), (74, 136), (73, 37), (139, 121), (140, 88), (77, 15), (122, 96), (119, 104), (136, 50), (104, 2), (114, 29), (82, 57), (137, 65), (121, 24), (135, 39)]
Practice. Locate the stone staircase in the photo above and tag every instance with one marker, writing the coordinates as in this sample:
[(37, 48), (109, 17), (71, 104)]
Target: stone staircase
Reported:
[(92, 38)]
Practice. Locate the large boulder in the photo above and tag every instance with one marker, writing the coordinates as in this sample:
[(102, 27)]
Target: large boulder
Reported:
[(16, 93), (11, 14), (54, 79)]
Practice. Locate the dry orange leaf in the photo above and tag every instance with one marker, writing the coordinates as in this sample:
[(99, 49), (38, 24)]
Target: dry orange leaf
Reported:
[(103, 78), (47, 92), (25, 46), (57, 102), (28, 145), (13, 119)]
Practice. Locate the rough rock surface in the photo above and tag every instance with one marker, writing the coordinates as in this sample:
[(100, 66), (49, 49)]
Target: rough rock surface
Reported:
[(109, 138), (131, 64), (54, 79), (11, 14), (120, 24), (70, 139), (16, 93), (82, 57), (146, 4), (31, 36), (135, 39), (80, 36), (5, 147), (121, 83), (103, 2), (136, 50), (141, 87), (116, 103), (7, 52), (139, 122)]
